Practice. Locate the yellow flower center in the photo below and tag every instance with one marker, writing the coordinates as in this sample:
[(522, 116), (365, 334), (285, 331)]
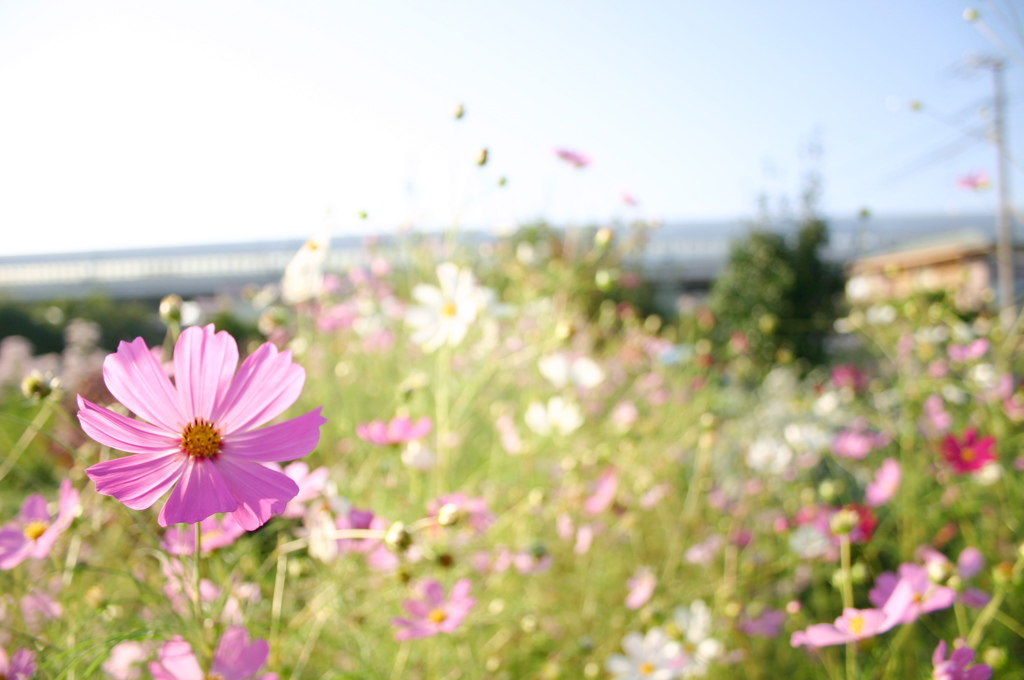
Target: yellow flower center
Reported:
[(34, 530), (437, 616), (448, 309), (200, 439), (646, 668), (856, 625), (967, 454)]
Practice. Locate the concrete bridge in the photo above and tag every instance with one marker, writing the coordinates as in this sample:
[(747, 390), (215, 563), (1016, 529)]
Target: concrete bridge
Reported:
[(679, 257)]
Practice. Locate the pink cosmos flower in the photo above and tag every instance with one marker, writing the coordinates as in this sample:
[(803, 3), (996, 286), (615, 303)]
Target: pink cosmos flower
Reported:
[(973, 181), (234, 659), (21, 666), (432, 614), (311, 485), (199, 439), (604, 492), (857, 442), (973, 350), (125, 659), (936, 419), (399, 431), (912, 593), (955, 667), (767, 624), (641, 587), (573, 158), (214, 532), (848, 376), (853, 625), (34, 532), (969, 453), (886, 483)]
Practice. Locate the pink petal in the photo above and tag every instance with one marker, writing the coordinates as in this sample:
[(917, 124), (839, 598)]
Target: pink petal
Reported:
[(260, 492), (433, 594), (138, 480), (124, 434), (236, 658), (14, 548), (137, 380), (176, 661), (267, 383), (285, 441), (204, 362), (33, 509), (201, 491)]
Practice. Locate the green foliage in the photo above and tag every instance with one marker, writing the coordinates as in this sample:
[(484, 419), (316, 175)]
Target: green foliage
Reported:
[(777, 296)]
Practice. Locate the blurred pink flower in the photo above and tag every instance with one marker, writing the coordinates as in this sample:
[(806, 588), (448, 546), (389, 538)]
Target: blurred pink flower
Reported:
[(910, 594), (629, 199), (34, 532), (854, 624), (199, 440), (972, 350), (767, 624), (884, 486), (641, 587), (973, 181), (857, 441), (433, 614), (214, 532), (936, 419), (398, 431), (125, 659), (604, 492), (848, 376), (311, 485), (968, 453), (955, 667), (21, 666), (236, 658), (573, 158)]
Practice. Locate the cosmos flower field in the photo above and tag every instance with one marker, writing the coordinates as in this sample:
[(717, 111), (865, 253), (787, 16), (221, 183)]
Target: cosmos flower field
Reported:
[(480, 464)]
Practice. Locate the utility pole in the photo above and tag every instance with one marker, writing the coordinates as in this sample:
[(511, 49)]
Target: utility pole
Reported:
[(1004, 237)]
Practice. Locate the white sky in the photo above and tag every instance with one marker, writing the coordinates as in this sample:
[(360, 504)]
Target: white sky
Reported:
[(130, 123)]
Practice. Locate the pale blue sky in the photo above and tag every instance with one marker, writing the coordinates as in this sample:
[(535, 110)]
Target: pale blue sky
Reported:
[(131, 123)]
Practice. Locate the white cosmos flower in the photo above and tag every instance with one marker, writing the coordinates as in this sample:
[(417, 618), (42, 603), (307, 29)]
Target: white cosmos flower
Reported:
[(560, 371), (648, 657), (699, 648), (446, 312), (304, 276), (559, 415), (769, 455)]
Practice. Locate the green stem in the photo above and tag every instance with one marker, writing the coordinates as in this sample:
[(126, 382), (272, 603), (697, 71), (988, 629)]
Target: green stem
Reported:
[(45, 409), (851, 647)]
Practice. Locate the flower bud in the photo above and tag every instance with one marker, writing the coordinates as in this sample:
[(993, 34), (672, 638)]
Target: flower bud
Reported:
[(35, 385), (397, 538), (170, 309), (449, 514), (843, 522), (971, 14), (458, 112), (481, 157), (994, 657), (1002, 573)]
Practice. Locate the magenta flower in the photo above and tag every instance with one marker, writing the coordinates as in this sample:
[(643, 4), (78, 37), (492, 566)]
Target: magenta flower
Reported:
[(200, 439), (34, 532), (21, 666), (234, 659), (857, 441), (955, 667), (573, 158), (968, 453), (885, 485), (848, 376), (854, 624), (973, 350), (433, 614), (214, 533), (399, 431)]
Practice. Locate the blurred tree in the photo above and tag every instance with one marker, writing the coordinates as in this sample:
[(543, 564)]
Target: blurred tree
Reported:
[(777, 298)]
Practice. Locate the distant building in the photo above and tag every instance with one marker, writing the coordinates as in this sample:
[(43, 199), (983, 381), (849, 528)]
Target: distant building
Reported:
[(960, 262)]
